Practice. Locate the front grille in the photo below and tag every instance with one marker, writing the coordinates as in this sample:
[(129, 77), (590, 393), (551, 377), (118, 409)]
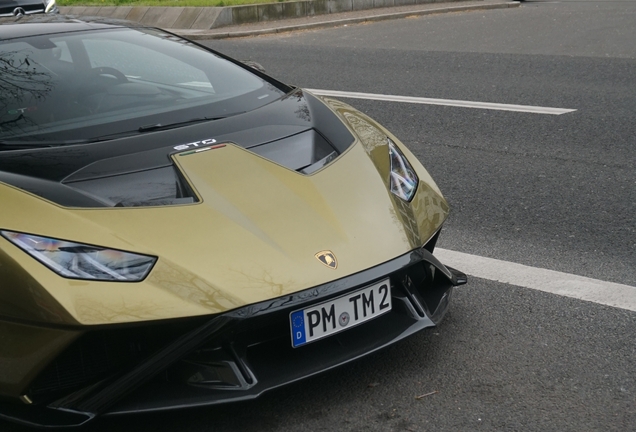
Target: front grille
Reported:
[(255, 354), (251, 354), (263, 346), (28, 9)]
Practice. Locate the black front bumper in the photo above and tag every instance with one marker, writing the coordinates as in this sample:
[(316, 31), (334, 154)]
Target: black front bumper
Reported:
[(230, 357)]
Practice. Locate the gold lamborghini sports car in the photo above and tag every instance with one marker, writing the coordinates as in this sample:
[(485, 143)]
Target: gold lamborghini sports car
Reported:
[(179, 229)]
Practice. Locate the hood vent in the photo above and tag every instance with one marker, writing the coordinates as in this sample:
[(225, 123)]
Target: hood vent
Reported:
[(305, 152), (153, 187), (147, 179)]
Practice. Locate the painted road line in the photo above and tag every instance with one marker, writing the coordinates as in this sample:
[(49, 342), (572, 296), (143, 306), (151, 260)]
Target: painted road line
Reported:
[(445, 102), (568, 285)]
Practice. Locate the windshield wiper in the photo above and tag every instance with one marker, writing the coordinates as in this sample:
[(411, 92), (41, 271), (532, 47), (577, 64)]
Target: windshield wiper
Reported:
[(160, 126)]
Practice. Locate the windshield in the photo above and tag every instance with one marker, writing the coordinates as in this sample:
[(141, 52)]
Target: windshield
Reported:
[(80, 86)]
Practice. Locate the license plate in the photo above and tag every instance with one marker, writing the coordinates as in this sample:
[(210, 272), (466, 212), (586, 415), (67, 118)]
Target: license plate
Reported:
[(334, 316)]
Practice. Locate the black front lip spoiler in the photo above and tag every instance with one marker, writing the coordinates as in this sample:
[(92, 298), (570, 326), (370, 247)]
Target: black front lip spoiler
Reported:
[(109, 398)]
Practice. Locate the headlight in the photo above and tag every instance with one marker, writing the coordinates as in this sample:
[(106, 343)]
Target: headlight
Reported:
[(403, 178), (81, 261), (50, 6)]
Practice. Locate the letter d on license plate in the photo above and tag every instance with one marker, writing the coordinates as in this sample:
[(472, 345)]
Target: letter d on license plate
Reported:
[(334, 316)]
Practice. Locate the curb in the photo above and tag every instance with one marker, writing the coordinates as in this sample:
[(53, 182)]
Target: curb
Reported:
[(205, 18), (203, 35)]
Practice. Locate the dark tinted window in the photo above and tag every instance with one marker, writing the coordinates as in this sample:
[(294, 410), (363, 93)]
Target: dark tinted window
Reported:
[(84, 85)]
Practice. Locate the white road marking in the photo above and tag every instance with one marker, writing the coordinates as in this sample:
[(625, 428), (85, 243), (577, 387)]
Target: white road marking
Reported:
[(564, 284), (445, 102)]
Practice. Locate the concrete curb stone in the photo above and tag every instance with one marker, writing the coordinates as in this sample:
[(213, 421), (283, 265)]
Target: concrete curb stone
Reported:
[(163, 17), (362, 4), (121, 12), (237, 32), (208, 15), (336, 6), (187, 18), (211, 22), (294, 9), (214, 17), (136, 13), (317, 7)]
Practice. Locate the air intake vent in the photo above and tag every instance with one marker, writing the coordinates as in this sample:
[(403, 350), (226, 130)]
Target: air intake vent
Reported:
[(153, 187), (305, 152)]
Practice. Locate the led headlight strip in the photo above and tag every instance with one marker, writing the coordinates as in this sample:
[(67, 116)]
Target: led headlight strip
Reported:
[(403, 178), (81, 261)]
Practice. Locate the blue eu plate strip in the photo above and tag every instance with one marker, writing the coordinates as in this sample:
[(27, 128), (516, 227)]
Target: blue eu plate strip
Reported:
[(298, 328)]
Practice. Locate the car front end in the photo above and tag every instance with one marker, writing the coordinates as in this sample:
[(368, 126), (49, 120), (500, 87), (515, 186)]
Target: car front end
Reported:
[(175, 240)]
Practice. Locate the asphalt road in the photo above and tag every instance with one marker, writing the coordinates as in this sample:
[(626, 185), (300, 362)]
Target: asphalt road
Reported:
[(556, 192)]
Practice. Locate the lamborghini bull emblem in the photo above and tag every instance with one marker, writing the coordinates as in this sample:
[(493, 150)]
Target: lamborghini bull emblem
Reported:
[(328, 259)]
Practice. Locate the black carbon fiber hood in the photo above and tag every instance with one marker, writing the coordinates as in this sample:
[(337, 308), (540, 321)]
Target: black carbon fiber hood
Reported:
[(297, 131)]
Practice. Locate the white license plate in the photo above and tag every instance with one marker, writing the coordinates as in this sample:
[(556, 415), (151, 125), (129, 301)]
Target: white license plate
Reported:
[(334, 316)]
